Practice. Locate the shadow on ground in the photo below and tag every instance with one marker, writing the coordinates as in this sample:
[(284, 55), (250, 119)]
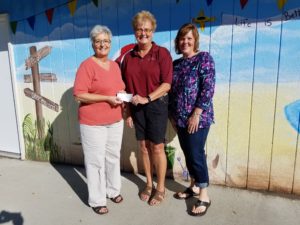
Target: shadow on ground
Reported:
[(15, 218)]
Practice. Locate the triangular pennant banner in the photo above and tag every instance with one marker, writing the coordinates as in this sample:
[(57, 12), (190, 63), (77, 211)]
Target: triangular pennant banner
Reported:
[(49, 14), (209, 2), (31, 21), (281, 3), (13, 26), (243, 3), (95, 2), (72, 7)]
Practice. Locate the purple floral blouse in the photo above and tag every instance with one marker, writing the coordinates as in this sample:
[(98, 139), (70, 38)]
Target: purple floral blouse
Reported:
[(193, 86)]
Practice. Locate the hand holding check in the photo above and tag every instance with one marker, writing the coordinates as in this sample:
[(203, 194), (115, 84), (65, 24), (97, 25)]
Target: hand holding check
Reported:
[(125, 97)]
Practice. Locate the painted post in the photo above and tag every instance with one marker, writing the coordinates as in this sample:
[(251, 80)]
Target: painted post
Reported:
[(37, 90)]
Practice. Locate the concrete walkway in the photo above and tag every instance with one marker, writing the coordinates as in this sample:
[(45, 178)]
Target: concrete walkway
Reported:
[(38, 193)]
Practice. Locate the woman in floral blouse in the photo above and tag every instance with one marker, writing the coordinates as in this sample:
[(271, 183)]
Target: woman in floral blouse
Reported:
[(192, 111)]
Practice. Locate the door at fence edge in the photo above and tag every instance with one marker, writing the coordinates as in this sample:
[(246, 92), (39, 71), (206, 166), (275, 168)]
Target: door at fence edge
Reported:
[(9, 140)]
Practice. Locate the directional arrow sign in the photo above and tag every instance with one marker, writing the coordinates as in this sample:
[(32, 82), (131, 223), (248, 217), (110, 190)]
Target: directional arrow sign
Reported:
[(36, 57), (46, 102)]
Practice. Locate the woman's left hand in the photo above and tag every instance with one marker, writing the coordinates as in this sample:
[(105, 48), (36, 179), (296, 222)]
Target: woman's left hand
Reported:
[(139, 100), (193, 123)]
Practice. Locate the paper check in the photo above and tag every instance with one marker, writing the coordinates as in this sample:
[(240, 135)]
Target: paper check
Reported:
[(125, 97)]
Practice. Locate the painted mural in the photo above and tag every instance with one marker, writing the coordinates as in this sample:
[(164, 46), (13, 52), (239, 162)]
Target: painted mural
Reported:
[(255, 140)]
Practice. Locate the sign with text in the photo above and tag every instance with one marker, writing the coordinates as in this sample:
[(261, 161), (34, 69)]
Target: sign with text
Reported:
[(46, 102), (35, 58)]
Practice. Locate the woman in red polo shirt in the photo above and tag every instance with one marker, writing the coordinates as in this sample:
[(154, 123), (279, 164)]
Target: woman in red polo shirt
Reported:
[(98, 80), (147, 72)]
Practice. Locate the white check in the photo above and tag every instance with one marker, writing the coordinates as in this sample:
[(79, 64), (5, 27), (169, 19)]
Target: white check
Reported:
[(125, 97)]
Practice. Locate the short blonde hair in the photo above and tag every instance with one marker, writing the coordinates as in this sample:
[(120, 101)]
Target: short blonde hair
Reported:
[(143, 16)]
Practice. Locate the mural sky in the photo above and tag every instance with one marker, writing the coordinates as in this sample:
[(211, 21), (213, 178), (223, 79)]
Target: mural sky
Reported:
[(249, 35), (258, 38)]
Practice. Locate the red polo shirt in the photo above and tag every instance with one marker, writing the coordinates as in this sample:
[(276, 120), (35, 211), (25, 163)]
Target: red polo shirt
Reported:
[(144, 75)]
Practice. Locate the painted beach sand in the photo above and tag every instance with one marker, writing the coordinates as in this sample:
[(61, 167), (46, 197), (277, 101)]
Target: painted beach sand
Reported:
[(252, 139)]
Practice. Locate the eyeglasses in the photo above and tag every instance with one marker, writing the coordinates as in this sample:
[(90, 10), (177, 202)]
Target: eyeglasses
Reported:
[(101, 42), (140, 31)]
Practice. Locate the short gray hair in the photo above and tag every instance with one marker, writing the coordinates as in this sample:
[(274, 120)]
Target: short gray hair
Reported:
[(99, 29)]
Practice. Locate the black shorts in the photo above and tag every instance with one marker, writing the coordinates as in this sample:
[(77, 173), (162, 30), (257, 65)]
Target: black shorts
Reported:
[(150, 120)]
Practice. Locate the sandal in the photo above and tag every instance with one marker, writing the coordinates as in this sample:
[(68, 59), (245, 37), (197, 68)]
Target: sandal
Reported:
[(117, 199), (145, 194), (100, 210), (157, 198), (200, 203), (187, 193)]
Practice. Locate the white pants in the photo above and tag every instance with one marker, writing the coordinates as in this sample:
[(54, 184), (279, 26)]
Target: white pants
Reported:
[(101, 148)]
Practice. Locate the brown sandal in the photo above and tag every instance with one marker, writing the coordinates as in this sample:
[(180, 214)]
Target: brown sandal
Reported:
[(117, 199), (157, 198), (145, 194), (100, 210)]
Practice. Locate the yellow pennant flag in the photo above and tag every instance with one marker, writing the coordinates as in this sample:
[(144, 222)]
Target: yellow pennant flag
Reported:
[(72, 7), (281, 3)]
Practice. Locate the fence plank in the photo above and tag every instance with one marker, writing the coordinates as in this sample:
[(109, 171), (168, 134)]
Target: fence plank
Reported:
[(288, 91), (263, 101), (240, 94)]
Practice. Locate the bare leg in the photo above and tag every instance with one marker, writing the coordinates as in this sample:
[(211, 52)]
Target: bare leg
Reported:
[(147, 163), (193, 187), (160, 165)]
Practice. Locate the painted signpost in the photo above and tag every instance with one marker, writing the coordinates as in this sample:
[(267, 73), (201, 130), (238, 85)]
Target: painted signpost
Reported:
[(36, 56), (32, 62), (44, 101)]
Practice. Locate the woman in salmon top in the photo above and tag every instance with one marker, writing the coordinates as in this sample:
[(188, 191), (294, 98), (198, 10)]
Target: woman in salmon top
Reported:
[(98, 80)]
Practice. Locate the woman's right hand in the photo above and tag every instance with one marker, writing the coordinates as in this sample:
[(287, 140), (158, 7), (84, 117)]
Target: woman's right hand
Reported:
[(129, 122), (114, 100)]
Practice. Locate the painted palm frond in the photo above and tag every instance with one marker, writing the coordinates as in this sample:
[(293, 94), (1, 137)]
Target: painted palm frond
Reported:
[(39, 148), (29, 130), (49, 143)]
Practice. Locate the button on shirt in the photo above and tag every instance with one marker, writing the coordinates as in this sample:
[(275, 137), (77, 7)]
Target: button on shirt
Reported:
[(193, 86)]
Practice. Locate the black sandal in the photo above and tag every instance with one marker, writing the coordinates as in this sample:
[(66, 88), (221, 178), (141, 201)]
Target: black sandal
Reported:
[(98, 210), (187, 192), (200, 203), (117, 199)]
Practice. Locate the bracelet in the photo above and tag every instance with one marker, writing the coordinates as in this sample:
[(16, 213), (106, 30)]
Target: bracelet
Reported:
[(196, 114), (149, 99)]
